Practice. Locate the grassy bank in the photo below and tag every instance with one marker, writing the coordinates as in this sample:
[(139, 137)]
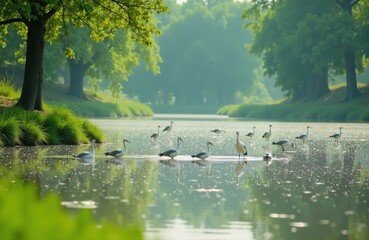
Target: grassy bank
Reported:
[(56, 125), (96, 105), (183, 109), (330, 108)]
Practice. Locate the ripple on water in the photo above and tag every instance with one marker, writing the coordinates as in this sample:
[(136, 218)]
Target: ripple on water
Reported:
[(80, 204), (299, 224), (282, 215)]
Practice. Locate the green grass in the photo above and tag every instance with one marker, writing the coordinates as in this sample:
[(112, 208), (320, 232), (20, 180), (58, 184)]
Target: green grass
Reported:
[(301, 112), (9, 130), (24, 216), (93, 108), (99, 104), (55, 126), (8, 90), (332, 107)]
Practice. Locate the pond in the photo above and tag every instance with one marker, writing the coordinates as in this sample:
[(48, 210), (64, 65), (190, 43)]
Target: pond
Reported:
[(315, 190)]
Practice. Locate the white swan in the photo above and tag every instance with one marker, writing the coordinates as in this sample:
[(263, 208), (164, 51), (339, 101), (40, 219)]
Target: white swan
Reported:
[(205, 154), (86, 155), (118, 152), (173, 152)]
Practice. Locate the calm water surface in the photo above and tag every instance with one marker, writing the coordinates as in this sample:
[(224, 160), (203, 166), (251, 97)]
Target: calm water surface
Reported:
[(319, 190)]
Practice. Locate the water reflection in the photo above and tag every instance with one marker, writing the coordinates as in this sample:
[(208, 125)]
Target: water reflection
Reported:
[(319, 190), (240, 170)]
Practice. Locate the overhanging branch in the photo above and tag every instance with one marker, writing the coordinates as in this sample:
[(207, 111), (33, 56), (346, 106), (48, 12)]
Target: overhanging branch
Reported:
[(12, 20)]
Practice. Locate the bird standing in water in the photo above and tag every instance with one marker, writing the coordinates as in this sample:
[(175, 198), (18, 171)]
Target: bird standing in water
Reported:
[(155, 136), (336, 136), (119, 152), (240, 146), (267, 135), (251, 134), (205, 154), (173, 152), (304, 136), (169, 127)]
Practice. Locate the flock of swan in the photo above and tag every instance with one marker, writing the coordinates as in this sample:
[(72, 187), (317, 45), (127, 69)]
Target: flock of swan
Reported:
[(173, 152)]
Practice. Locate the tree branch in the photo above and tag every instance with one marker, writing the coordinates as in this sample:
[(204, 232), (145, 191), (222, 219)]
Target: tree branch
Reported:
[(53, 10), (12, 20)]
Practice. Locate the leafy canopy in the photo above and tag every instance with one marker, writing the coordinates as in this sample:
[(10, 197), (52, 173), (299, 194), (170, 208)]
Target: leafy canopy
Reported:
[(103, 17)]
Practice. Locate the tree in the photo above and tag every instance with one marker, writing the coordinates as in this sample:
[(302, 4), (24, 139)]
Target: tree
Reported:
[(320, 38), (204, 57), (47, 19)]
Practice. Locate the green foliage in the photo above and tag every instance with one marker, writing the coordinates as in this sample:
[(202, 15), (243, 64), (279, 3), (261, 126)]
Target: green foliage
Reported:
[(124, 108), (24, 216), (205, 59), (92, 132), (9, 130), (227, 110), (7, 90), (299, 112), (299, 46), (59, 126)]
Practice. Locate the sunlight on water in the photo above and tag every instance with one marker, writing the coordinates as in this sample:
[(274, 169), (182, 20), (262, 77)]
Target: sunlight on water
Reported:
[(315, 190)]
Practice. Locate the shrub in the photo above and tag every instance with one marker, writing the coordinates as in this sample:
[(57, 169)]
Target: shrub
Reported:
[(9, 131), (92, 132), (32, 134), (7, 89), (24, 216), (71, 133), (59, 126)]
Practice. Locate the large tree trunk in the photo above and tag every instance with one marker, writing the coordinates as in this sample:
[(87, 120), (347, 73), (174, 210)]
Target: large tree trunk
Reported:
[(322, 84), (77, 72), (317, 84), (351, 83), (31, 96)]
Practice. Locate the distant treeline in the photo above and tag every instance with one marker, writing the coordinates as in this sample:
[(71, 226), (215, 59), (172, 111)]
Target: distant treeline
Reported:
[(205, 60), (298, 46)]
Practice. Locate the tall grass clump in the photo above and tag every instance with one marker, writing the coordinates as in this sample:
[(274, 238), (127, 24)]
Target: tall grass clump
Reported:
[(57, 126), (65, 128), (92, 132), (9, 130), (30, 124), (23, 215), (7, 89)]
